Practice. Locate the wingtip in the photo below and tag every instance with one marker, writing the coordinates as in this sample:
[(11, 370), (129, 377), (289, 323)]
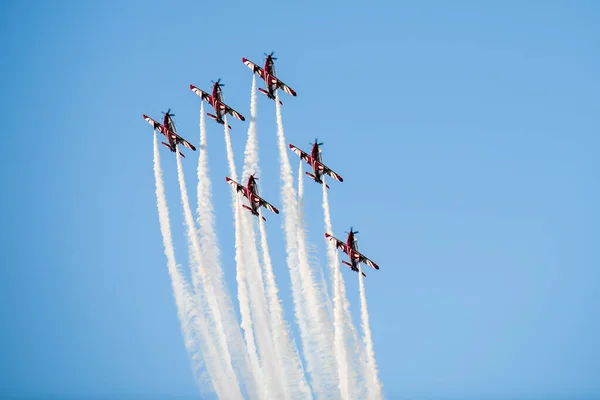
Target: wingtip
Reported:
[(244, 59), (192, 87), (145, 116)]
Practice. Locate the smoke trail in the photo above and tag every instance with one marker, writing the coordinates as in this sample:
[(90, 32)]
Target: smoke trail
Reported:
[(340, 305), (212, 261), (192, 322), (217, 337), (290, 369), (284, 343), (320, 373), (316, 296), (242, 278), (373, 383), (273, 375), (251, 151), (244, 301)]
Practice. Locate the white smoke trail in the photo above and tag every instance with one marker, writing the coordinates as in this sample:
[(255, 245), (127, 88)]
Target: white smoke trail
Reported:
[(373, 383), (289, 369), (212, 261), (244, 301), (284, 343), (273, 375), (204, 288), (356, 356), (242, 278), (317, 301), (192, 322), (320, 374), (340, 304), (251, 151)]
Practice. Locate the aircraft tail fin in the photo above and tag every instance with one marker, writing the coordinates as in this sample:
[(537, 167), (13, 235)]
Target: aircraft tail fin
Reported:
[(253, 212), (316, 180), (263, 91), (353, 269)]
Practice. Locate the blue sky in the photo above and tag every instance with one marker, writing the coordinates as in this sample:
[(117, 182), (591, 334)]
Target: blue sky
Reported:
[(466, 132)]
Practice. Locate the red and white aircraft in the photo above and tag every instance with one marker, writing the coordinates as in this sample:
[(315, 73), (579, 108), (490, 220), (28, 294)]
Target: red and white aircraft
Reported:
[(168, 129), (216, 100), (314, 160), (268, 75), (251, 193), (351, 248)]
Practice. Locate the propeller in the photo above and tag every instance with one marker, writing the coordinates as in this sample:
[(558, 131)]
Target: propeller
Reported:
[(271, 55), (168, 112), (218, 82), (317, 142), (353, 231)]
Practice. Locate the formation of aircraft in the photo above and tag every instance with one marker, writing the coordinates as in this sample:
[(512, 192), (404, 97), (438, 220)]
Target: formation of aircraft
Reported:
[(267, 73), (216, 101), (250, 191), (351, 249), (168, 129), (314, 160)]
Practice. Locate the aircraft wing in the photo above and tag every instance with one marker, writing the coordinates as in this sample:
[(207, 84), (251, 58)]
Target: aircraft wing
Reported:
[(238, 186), (180, 140), (283, 86), (263, 203), (303, 156), (326, 170), (361, 258), (255, 68), (158, 126), (203, 95), (338, 243), (231, 111), (154, 123)]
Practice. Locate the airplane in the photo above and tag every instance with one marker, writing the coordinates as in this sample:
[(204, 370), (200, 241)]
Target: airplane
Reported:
[(314, 160), (168, 129), (251, 193), (268, 75), (351, 248), (216, 100)]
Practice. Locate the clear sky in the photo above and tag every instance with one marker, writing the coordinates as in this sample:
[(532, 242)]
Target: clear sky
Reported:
[(467, 133)]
